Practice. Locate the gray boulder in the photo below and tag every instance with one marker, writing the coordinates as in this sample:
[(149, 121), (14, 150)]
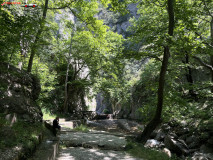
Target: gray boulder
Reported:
[(160, 136), (191, 139), (177, 146), (152, 143)]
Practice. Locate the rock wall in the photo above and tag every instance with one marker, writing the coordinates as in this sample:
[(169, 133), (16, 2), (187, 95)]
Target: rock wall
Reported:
[(18, 92), (102, 104), (117, 22)]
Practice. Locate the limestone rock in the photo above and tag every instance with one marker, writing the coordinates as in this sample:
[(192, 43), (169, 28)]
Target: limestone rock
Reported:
[(152, 143), (102, 103), (19, 90), (168, 152)]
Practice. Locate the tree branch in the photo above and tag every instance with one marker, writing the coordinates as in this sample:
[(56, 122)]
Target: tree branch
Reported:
[(207, 9), (203, 63), (202, 39)]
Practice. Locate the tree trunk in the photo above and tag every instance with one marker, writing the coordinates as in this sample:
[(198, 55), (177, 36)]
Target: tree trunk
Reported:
[(157, 118), (66, 88), (65, 109), (34, 46), (211, 29), (190, 78)]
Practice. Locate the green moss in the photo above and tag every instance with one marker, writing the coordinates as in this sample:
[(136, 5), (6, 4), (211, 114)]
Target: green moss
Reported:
[(24, 133)]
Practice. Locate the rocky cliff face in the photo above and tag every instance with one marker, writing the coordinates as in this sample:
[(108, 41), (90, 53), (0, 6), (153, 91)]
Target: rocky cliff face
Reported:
[(117, 22), (103, 104), (18, 92)]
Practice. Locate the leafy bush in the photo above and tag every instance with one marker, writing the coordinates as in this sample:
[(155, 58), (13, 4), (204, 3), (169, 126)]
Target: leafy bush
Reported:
[(106, 111), (82, 128)]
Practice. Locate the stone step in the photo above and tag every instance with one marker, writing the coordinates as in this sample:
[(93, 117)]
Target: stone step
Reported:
[(93, 140)]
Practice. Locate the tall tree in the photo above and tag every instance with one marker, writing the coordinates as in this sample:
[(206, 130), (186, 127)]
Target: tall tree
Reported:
[(37, 38), (157, 118), (67, 71)]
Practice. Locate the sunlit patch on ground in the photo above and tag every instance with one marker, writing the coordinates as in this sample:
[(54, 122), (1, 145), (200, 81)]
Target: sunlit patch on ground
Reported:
[(80, 153)]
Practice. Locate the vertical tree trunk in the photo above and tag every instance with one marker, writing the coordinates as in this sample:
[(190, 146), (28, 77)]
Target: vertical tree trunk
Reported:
[(190, 78), (66, 86), (34, 46), (157, 118), (189, 70), (211, 29), (65, 109)]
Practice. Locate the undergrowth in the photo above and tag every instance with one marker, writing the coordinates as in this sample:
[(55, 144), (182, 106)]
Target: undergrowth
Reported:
[(139, 151), (82, 128), (47, 115), (20, 133)]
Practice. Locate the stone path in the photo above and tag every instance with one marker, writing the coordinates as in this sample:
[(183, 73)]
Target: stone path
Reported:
[(80, 153), (93, 145)]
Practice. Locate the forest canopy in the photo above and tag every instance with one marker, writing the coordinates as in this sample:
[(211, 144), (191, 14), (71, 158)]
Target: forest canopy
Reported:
[(152, 63)]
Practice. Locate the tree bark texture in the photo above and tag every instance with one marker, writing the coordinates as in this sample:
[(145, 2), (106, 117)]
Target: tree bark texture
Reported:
[(157, 118)]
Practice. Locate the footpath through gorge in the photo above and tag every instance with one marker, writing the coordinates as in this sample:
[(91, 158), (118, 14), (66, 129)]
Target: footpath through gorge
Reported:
[(107, 143)]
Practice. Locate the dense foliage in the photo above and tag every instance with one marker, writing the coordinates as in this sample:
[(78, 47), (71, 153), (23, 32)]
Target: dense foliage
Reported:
[(76, 55)]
